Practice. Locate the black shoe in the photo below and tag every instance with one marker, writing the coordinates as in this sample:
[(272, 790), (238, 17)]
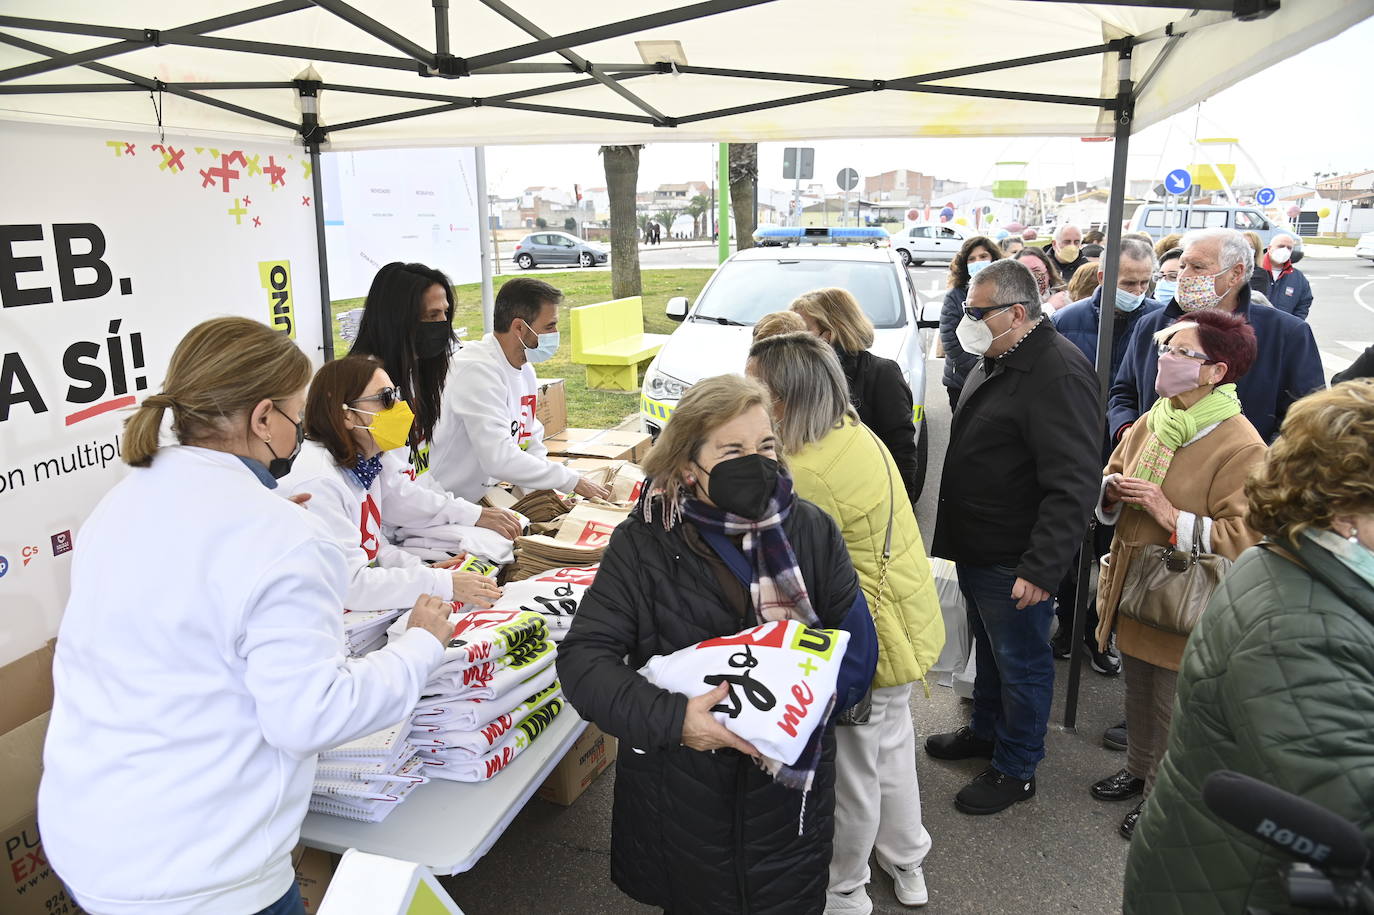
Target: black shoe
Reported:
[(1114, 738), (1118, 787), (992, 792), (1107, 663), (1128, 824), (1061, 645), (960, 744)]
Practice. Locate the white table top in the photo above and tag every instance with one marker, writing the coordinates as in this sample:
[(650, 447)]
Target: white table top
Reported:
[(448, 826)]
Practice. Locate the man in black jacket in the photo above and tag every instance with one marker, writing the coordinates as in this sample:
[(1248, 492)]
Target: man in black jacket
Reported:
[(1020, 477)]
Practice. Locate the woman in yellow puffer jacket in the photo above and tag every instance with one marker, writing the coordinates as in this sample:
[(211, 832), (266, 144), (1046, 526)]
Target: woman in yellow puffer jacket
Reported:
[(841, 466)]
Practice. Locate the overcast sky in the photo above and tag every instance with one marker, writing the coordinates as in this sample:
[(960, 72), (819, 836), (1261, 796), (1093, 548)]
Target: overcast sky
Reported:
[(1309, 113)]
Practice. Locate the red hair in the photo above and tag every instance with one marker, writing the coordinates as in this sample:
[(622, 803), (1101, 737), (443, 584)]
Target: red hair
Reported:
[(1225, 337)]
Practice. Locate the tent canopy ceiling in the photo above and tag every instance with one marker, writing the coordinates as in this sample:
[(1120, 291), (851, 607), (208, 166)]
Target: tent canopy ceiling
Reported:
[(540, 71)]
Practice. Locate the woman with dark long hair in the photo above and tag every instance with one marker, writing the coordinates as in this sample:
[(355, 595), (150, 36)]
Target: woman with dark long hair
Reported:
[(975, 254)]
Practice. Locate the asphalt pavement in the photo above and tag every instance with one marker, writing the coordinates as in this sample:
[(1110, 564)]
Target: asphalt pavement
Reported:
[(1057, 853)]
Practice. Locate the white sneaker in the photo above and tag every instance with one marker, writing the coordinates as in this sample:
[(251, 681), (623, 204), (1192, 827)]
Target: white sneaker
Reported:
[(909, 883), (855, 902)]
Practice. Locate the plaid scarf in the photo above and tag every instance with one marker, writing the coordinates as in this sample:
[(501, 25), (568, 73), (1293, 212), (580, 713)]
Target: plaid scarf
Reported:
[(777, 590)]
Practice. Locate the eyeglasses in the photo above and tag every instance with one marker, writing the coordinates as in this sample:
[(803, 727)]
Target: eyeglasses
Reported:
[(387, 397), (979, 313), (1165, 349), (1171, 277)]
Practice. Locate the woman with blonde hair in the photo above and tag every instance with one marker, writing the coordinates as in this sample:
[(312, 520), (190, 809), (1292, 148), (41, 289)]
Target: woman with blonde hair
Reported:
[(841, 466), (1175, 480), (876, 387), (1084, 282), (1278, 679), (200, 664), (719, 542), (778, 322)]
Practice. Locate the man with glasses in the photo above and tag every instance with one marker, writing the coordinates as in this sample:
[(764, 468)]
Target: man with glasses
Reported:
[(1021, 475), (1215, 272), (1078, 323)]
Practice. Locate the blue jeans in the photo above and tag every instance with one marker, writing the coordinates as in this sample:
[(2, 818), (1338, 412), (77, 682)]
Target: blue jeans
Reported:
[(290, 904), (1015, 682)]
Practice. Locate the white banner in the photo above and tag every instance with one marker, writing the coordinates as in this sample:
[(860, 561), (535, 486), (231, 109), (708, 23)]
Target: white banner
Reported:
[(113, 244), (411, 205)]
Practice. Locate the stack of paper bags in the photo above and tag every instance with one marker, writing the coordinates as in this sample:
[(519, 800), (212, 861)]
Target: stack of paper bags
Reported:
[(556, 595), (580, 541), (542, 505), (365, 630), (367, 778), (493, 695)]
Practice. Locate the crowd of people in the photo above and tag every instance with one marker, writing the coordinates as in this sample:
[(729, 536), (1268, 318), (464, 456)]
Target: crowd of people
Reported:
[(784, 493)]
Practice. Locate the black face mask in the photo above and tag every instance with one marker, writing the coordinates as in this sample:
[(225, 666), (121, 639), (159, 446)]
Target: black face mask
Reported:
[(433, 339), (281, 466), (744, 485)]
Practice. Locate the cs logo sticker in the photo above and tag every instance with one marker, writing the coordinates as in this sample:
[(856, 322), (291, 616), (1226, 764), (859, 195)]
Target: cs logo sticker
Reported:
[(29, 553)]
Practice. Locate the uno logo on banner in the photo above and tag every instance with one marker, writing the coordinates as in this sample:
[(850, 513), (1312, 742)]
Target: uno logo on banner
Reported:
[(276, 279)]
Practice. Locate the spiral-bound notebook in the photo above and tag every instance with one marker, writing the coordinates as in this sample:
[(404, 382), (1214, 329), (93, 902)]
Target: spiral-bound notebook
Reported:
[(382, 744), (380, 787), (367, 811)]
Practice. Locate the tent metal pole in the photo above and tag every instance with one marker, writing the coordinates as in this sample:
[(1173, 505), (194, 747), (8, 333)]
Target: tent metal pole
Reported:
[(577, 60), (1111, 257), (360, 20), (440, 27), (326, 308), (70, 87), (764, 106), (484, 237), (612, 30)]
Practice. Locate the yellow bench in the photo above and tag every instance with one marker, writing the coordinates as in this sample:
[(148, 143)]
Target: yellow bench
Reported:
[(609, 339)]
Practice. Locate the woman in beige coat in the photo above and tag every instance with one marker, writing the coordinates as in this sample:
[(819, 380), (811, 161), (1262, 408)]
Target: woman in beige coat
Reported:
[(1179, 470)]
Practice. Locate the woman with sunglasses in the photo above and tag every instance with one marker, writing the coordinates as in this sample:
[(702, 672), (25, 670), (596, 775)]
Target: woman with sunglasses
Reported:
[(354, 421), (1178, 475)]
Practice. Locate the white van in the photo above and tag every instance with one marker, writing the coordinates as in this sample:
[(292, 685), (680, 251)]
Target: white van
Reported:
[(1151, 220)]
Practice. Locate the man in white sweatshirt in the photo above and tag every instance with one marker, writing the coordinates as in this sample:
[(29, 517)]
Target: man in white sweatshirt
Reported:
[(487, 431)]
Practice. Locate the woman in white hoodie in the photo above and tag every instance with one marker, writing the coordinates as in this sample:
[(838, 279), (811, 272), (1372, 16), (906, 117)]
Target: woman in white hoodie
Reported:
[(354, 421), (200, 663)]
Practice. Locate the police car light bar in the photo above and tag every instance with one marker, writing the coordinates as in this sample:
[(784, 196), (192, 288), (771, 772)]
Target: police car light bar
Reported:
[(838, 235)]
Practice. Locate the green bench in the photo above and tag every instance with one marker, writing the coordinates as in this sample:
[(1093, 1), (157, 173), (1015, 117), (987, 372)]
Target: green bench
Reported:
[(609, 339)]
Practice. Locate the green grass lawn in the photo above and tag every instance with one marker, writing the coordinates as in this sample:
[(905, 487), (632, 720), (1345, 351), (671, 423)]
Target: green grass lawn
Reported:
[(586, 408)]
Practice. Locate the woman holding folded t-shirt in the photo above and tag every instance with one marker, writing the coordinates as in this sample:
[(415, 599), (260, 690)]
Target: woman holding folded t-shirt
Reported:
[(200, 664)]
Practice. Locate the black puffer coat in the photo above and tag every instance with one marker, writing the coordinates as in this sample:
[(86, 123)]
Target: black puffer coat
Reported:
[(884, 402), (698, 832)]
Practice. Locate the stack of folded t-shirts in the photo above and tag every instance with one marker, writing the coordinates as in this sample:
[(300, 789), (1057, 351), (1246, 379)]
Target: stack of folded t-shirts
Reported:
[(493, 695), (441, 541), (555, 594), (367, 778)]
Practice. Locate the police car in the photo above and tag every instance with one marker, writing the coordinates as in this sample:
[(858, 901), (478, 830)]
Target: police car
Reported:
[(717, 328)]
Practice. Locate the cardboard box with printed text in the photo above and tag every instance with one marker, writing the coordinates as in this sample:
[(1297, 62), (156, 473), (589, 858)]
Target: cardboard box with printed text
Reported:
[(591, 755)]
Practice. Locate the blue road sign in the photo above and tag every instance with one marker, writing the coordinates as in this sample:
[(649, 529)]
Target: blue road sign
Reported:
[(1264, 196), (1178, 181)]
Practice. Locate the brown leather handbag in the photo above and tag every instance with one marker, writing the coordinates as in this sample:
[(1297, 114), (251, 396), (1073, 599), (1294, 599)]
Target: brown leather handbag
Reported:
[(1168, 589)]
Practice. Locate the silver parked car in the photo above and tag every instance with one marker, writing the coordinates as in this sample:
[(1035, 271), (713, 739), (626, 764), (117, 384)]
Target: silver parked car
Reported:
[(543, 249)]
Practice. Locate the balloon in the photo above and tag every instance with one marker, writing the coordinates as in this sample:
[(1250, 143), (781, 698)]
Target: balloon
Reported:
[(1324, 212), (1001, 234), (961, 221), (1294, 212), (946, 214), (1028, 235), (912, 215), (1014, 227)]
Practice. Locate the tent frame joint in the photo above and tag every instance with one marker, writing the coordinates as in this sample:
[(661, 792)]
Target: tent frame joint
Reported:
[(153, 37), (446, 66)]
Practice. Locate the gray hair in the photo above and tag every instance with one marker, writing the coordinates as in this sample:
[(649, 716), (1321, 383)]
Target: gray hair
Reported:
[(1059, 232), (1136, 250), (1012, 282), (1234, 248), (802, 371)]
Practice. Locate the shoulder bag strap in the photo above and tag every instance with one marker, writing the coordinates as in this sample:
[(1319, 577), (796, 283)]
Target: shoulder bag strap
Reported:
[(891, 516)]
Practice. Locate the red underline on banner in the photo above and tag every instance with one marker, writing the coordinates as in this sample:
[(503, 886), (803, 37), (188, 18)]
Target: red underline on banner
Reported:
[(99, 408)]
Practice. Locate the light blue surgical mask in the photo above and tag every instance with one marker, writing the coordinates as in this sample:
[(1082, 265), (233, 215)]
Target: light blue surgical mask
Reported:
[(1127, 303), (547, 348), (1165, 290), (975, 266)]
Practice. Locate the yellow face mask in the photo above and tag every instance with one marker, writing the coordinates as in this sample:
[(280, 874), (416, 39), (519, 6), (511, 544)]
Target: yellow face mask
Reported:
[(390, 427)]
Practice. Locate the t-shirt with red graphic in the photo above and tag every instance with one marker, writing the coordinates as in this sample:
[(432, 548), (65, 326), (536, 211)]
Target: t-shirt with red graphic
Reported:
[(487, 431), (381, 576)]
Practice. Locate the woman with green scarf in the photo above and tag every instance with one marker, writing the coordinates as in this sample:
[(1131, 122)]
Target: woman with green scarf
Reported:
[(1177, 474)]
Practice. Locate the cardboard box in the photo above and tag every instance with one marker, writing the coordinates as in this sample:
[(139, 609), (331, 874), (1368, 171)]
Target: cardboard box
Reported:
[(551, 406), (26, 685), (28, 885), (587, 759), (314, 869), (606, 444)]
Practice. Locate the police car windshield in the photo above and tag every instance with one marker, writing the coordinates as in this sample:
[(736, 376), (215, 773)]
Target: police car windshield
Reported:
[(744, 291)]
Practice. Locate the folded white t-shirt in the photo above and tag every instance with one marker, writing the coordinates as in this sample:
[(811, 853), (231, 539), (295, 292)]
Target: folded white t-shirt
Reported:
[(555, 594), (480, 741), (445, 713), (479, 769), (781, 674)]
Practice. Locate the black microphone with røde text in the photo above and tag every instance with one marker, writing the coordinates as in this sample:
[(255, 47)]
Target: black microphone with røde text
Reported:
[(1297, 827)]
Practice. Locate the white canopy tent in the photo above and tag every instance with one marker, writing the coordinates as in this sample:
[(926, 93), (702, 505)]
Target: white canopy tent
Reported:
[(359, 74)]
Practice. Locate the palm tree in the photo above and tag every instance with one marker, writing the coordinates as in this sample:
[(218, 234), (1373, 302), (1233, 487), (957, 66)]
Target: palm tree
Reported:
[(744, 172), (696, 209), (622, 180)]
